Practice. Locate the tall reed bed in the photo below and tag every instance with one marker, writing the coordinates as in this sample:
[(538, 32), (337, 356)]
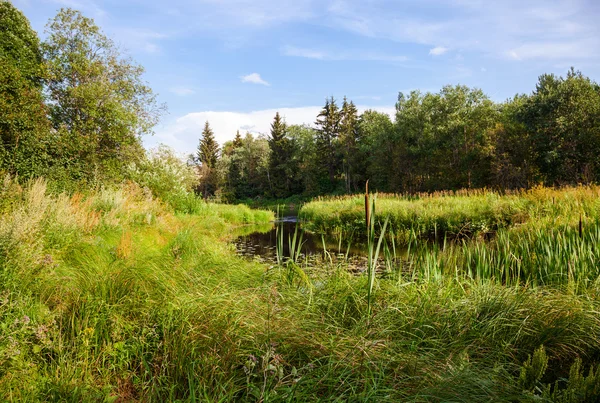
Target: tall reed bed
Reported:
[(563, 255)]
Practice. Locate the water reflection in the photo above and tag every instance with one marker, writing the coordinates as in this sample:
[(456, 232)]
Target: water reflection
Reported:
[(260, 242)]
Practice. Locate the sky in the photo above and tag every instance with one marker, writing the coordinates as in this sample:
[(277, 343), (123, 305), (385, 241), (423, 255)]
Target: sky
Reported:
[(236, 62)]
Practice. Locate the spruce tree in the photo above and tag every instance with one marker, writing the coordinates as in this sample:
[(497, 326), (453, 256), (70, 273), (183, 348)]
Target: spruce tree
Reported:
[(208, 149), (279, 157), (235, 181), (207, 155), (237, 141), (348, 142), (328, 123)]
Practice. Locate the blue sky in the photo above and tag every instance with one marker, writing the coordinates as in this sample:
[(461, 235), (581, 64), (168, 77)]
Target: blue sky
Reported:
[(235, 62)]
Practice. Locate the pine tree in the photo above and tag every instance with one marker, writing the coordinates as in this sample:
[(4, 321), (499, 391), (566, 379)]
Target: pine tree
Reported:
[(279, 157), (208, 149), (348, 142), (328, 122)]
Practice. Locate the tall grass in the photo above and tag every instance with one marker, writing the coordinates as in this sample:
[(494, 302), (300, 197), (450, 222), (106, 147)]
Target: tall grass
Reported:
[(462, 215), (137, 302)]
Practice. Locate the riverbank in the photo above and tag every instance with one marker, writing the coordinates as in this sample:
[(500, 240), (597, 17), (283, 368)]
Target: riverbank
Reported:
[(113, 296), (465, 214)]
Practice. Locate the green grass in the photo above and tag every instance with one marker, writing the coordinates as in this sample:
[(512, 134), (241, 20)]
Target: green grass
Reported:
[(141, 302), (462, 215)]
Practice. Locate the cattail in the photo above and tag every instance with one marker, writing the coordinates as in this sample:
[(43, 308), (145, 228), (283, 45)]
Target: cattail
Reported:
[(367, 208)]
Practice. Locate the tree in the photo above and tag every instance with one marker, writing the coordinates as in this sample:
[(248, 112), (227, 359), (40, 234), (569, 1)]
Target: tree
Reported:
[(307, 162), (562, 116), (208, 149), (234, 181), (254, 163), (377, 147), (19, 44), (231, 145), (328, 122), (99, 105), (207, 156), (237, 141), (513, 164), (24, 128), (349, 144), (279, 158), (443, 139)]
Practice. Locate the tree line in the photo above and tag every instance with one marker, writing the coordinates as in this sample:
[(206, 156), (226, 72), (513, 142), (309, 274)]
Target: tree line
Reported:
[(73, 109), (455, 138)]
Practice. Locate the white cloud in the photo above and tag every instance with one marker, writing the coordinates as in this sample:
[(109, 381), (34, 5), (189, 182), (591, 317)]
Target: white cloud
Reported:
[(254, 78), (182, 91), (438, 50), (346, 55), (184, 133)]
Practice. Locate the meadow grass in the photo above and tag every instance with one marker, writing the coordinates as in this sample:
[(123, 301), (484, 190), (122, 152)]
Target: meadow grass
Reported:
[(116, 296)]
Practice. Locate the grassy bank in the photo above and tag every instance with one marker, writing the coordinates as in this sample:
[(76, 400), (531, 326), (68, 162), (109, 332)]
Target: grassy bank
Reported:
[(114, 296), (462, 214)]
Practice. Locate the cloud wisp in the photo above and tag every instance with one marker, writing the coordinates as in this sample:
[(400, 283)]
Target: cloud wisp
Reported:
[(182, 91), (356, 55), (438, 51), (254, 78)]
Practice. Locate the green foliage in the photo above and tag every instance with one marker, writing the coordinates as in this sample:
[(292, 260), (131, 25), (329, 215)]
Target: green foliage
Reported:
[(327, 133), (208, 148), (168, 178), (349, 138), (429, 217), (454, 139), (207, 156), (246, 168), (19, 44), (24, 129), (112, 297), (283, 164), (377, 149), (513, 164), (562, 117), (533, 370), (579, 388), (99, 105), (309, 171), (445, 138)]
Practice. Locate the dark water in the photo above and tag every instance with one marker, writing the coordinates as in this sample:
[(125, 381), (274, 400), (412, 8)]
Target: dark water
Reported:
[(260, 242)]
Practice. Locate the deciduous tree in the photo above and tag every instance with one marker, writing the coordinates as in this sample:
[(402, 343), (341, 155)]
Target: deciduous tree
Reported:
[(99, 104)]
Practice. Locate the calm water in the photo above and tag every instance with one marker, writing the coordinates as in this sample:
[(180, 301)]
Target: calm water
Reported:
[(260, 242)]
